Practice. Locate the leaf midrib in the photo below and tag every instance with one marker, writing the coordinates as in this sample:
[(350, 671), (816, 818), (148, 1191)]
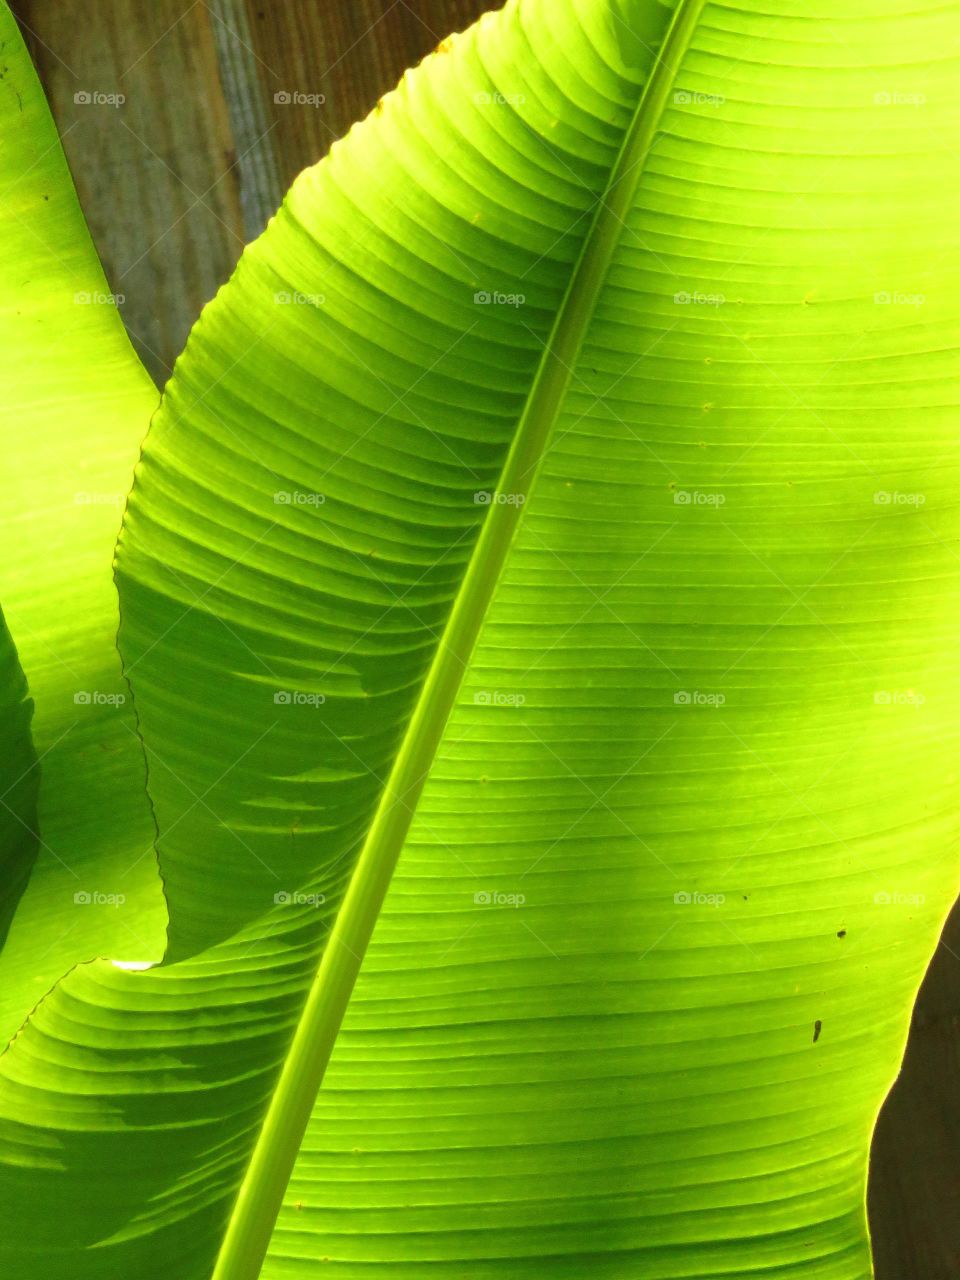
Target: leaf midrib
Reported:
[(261, 1194)]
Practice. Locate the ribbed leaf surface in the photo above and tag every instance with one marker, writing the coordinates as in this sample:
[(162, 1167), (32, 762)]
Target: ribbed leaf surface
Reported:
[(644, 973)]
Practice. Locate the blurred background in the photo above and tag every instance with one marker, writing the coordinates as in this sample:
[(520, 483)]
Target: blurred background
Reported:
[(218, 104)]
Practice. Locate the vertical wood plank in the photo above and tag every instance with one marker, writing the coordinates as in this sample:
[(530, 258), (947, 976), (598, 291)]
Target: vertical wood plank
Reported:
[(243, 79)]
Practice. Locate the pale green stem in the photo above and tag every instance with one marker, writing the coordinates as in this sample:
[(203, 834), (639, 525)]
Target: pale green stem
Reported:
[(268, 1174)]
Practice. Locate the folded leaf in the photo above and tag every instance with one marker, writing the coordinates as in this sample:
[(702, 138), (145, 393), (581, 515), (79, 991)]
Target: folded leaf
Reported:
[(74, 406), (18, 781)]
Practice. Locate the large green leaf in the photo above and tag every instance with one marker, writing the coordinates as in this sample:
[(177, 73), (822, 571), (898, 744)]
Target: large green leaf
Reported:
[(685, 842), (18, 782), (74, 407)]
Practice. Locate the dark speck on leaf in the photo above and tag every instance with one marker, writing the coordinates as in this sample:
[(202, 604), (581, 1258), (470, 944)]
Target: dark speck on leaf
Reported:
[(816, 1030), (841, 933)]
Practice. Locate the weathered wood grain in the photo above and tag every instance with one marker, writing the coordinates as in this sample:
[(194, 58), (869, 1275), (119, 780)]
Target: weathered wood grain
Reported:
[(242, 74), (349, 52)]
